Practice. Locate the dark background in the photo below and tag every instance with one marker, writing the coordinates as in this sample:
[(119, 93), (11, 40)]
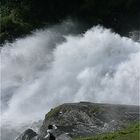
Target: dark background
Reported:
[(19, 17)]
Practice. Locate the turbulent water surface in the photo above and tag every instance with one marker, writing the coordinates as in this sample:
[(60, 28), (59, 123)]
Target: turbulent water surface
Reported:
[(52, 66)]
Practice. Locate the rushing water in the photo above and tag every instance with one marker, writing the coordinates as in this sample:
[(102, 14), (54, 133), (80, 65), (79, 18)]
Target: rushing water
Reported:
[(52, 66)]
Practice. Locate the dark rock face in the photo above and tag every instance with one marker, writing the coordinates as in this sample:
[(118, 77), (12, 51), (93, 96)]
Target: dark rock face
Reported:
[(64, 137), (27, 135), (83, 119)]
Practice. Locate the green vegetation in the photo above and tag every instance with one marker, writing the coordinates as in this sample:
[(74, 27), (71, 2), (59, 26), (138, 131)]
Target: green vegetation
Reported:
[(130, 133), (93, 110), (12, 23), (19, 17), (12, 27), (54, 112)]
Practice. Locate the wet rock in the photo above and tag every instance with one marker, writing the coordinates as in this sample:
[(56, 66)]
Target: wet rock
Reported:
[(85, 119), (64, 137), (27, 135)]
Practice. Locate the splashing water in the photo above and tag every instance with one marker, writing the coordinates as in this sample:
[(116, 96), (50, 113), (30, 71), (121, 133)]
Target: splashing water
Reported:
[(49, 68)]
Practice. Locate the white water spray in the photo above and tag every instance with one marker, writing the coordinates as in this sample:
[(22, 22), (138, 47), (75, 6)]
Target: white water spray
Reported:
[(49, 68)]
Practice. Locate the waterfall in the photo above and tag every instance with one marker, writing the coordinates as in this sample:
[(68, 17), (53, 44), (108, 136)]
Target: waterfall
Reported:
[(53, 66)]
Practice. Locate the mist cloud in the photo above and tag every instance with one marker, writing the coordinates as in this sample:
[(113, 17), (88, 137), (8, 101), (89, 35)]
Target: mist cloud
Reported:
[(52, 67)]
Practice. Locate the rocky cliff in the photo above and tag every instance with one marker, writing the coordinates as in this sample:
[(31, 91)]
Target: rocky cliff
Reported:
[(85, 119)]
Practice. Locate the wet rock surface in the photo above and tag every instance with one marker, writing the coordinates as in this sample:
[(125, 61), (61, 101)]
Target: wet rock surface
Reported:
[(27, 135), (85, 119)]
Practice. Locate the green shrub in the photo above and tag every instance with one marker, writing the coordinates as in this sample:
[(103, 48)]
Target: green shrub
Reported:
[(54, 112)]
